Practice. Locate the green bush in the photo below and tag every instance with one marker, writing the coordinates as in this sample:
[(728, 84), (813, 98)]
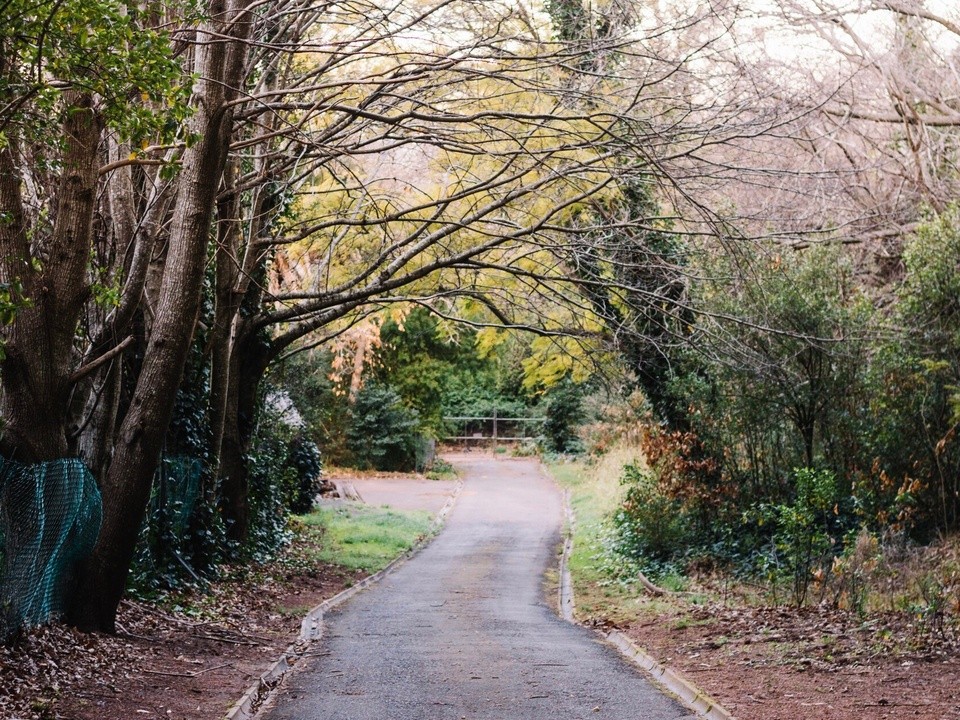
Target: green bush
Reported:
[(273, 484), (922, 376), (182, 538), (564, 413), (651, 529), (382, 432), (304, 457), (808, 530), (794, 393), (798, 364)]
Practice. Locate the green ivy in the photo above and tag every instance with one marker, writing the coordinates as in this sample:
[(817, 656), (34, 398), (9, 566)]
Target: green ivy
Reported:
[(109, 49)]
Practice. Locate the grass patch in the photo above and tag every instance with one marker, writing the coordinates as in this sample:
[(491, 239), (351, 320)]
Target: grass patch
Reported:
[(360, 537), (682, 623), (595, 492), (297, 611), (441, 470)]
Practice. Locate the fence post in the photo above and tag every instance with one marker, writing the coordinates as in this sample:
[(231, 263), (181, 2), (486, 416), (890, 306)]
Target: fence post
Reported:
[(494, 429)]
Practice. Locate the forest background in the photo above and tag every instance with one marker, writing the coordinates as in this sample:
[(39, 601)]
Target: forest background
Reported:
[(237, 237)]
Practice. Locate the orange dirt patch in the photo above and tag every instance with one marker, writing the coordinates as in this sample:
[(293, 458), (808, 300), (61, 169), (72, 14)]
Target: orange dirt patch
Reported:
[(162, 664), (810, 664)]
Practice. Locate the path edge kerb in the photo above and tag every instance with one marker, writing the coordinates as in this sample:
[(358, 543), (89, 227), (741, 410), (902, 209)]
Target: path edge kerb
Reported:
[(671, 680), (311, 627)]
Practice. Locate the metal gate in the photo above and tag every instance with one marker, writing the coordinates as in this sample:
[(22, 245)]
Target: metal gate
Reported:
[(493, 428)]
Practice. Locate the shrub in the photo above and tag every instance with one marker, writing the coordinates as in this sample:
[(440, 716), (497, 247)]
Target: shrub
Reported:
[(650, 527), (273, 483), (808, 532), (853, 570), (564, 413), (182, 538), (304, 457), (383, 433)]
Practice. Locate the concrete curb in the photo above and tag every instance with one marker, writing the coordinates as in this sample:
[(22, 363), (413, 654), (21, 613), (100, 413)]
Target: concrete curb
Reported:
[(566, 604), (670, 680), (311, 628), (691, 696)]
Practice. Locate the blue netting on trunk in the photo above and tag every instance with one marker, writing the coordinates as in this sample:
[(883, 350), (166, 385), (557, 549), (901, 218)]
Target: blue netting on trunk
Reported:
[(170, 537), (50, 515)]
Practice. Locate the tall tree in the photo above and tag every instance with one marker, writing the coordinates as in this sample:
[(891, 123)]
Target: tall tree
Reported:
[(61, 85), (220, 61), (337, 158), (416, 172), (866, 91)]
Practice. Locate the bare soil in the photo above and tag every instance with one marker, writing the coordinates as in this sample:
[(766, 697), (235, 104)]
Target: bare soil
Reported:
[(402, 492), (809, 664)]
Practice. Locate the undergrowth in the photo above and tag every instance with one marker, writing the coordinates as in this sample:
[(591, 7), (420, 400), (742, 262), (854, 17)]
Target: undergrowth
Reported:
[(602, 595), (870, 576)]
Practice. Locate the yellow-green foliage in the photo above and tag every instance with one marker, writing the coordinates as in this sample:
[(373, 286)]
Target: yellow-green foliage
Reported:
[(553, 358)]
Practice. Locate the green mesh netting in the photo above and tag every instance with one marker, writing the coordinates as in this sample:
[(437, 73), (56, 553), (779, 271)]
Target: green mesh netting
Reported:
[(168, 541), (50, 516), (176, 490)]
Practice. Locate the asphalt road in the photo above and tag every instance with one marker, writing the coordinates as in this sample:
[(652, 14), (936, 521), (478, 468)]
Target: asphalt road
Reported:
[(463, 631)]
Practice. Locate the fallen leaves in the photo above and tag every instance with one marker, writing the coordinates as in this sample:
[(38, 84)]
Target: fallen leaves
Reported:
[(777, 663), (186, 658)]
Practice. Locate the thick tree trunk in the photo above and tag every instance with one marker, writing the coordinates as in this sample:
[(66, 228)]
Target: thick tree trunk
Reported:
[(126, 485), (35, 372)]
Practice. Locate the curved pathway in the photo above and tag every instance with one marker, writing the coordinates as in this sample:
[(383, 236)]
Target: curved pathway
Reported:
[(463, 630)]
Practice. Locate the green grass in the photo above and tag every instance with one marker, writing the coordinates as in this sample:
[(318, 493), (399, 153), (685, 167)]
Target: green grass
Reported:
[(360, 537), (441, 470), (595, 493)]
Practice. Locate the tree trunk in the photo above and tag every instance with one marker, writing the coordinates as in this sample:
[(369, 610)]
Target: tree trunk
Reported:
[(239, 359), (35, 372), (250, 362), (226, 307), (126, 485), (97, 397)]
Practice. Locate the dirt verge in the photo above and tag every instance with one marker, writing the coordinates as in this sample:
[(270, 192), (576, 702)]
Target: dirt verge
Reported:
[(164, 663), (809, 664)]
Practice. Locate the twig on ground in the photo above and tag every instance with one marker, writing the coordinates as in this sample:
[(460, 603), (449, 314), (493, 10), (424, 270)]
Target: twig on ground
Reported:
[(191, 674), (232, 641)]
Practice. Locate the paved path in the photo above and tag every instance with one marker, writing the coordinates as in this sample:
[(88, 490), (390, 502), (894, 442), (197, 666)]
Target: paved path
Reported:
[(463, 631)]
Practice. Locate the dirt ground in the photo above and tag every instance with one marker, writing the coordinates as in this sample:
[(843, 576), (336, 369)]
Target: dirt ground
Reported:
[(189, 662), (403, 492), (163, 663), (811, 664)]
